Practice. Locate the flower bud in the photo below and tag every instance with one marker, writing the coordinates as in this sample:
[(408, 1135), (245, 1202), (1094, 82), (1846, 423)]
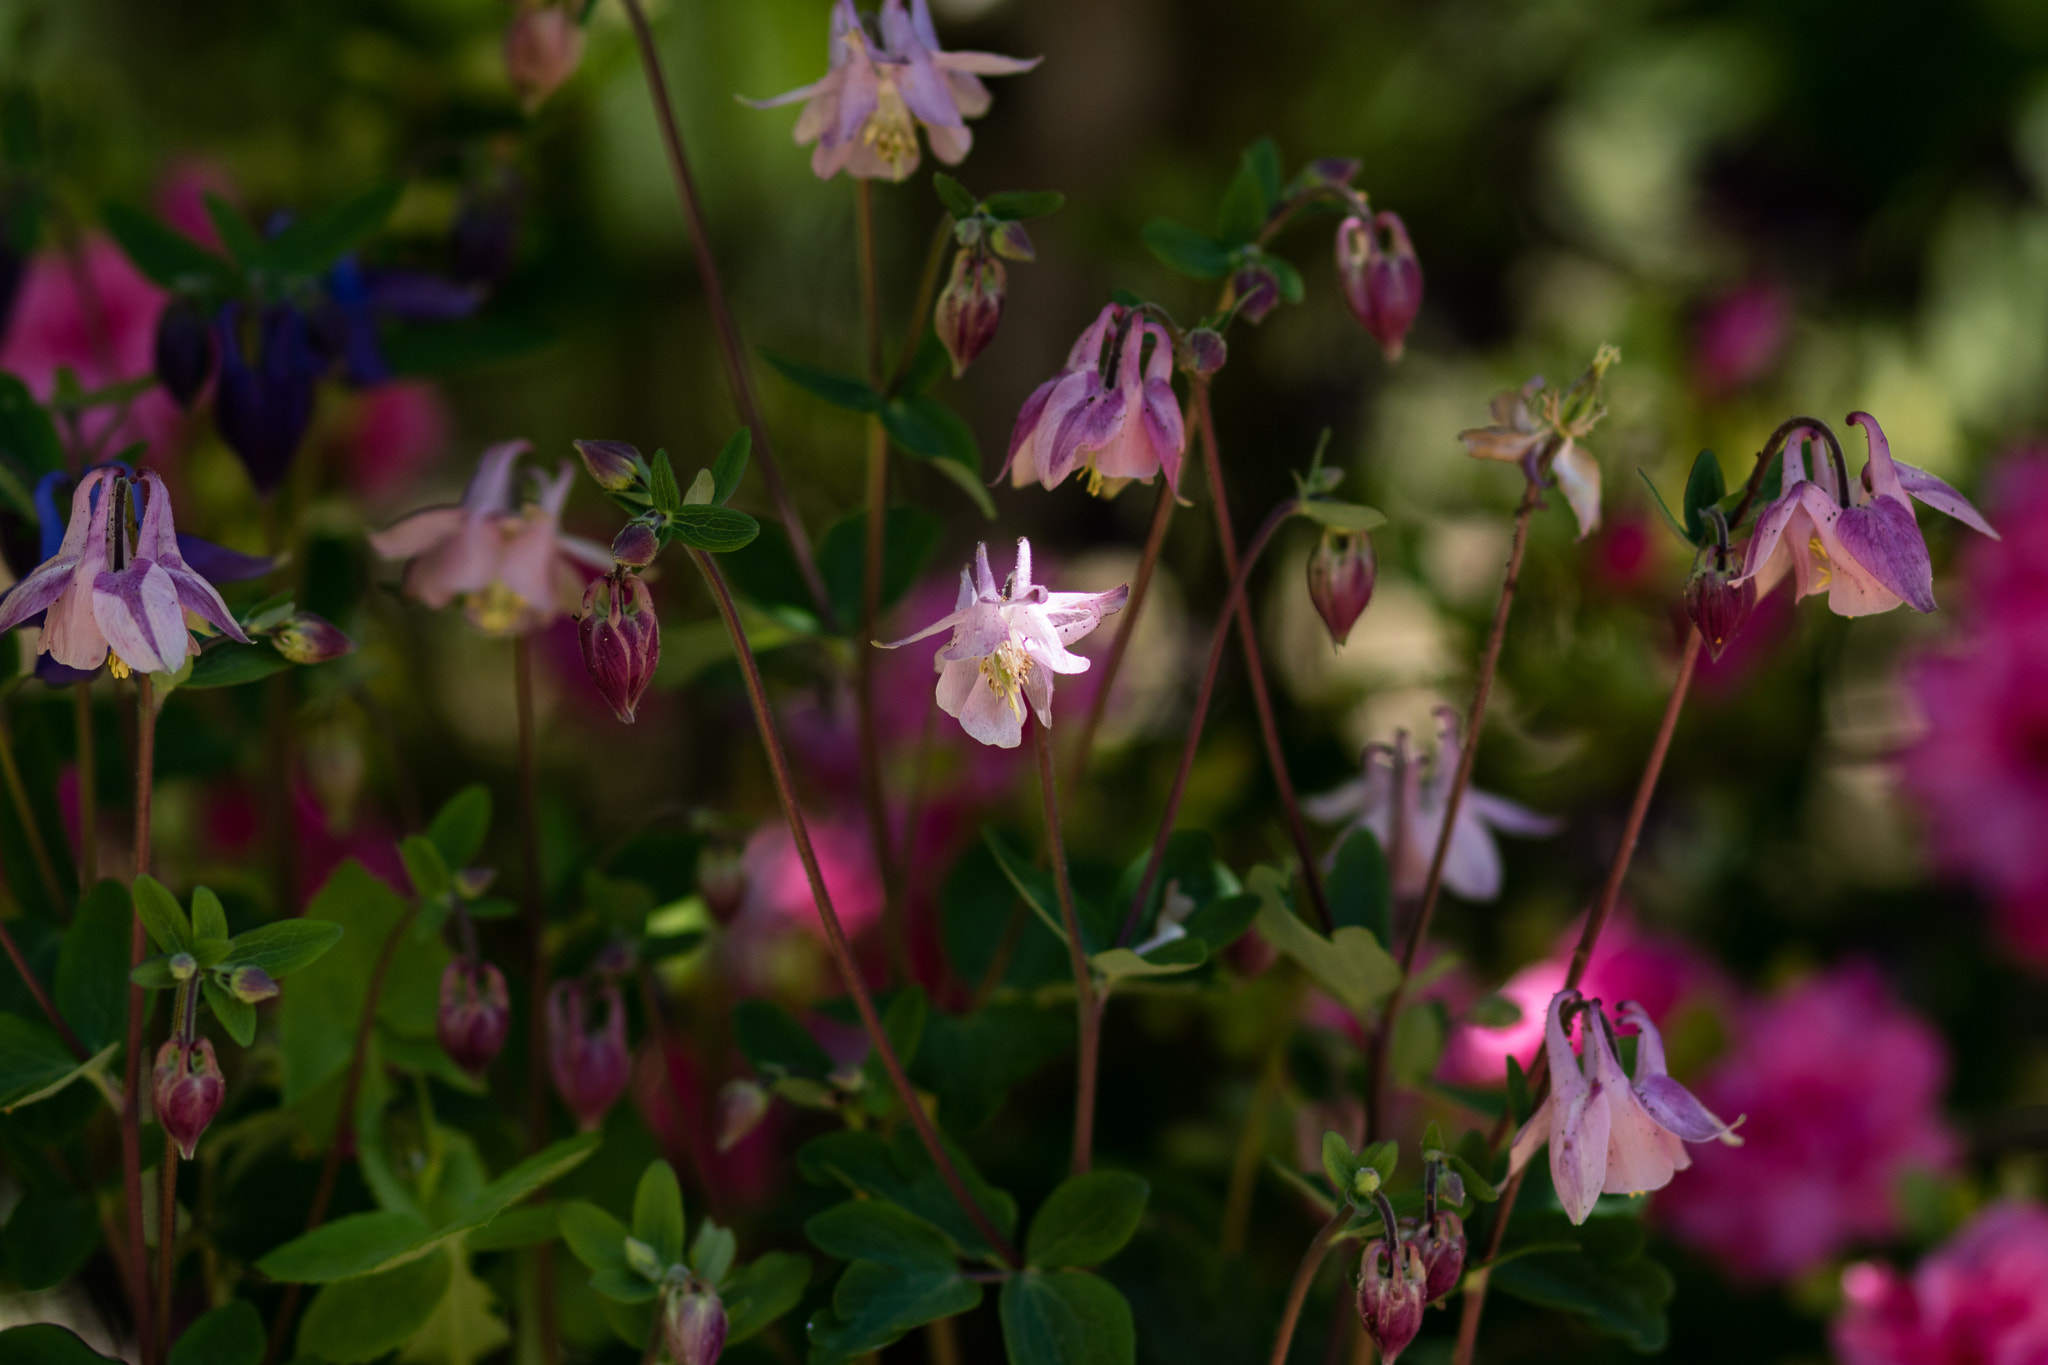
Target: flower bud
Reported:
[(721, 880), (1330, 170), (471, 882), (475, 1015), (1207, 351), (252, 985), (635, 545), (694, 1325), (970, 308), (543, 46), (591, 1067), (184, 351), (615, 465), (308, 639), (187, 1091), (183, 966), (1341, 573), (621, 640), (1011, 241), (1442, 1248), (1258, 292), (742, 1104), (1382, 286), (1390, 1298), (1718, 606)]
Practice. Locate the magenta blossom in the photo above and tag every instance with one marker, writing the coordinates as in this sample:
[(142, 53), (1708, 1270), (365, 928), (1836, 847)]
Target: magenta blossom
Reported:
[(110, 599), (865, 111), (1859, 544), (1842, 1088), (1608, 1135), (1118, 431), (590, 1066), (1007, 644), (512, 568), (1981, 1299), (187, 1090)]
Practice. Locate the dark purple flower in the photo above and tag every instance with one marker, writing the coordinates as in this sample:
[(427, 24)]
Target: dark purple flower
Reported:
[(263, 402), (621, 640), (1442, 1248), (590, 1066), (184, 351), (610, 463), (1382, 283), (475, 1014), (187, 1091), (252, 985), (635, 545)]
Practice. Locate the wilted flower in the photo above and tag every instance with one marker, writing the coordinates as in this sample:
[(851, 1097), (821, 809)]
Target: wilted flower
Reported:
[(1859, 544), (183, 351), (590, 1067), (693, 1324), (305, 638), (1442, 1247), (1129, 429), (742, 1104), (1006, 645), (1341, 573), (263, 402), (971, 307), (1517, 437), (1472, 866), (512, 570), (1390, 1295), (106, 597), (187, 1091), (475, 1014), (620, 638), (1981, 1297), (864, 112), (1382, 284), (543, 45)]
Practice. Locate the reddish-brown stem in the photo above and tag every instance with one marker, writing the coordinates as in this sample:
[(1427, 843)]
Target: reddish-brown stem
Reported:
[(921, 311), (737, 374), (183, 1010), (1126, 627), (131, 1078), (533, 907), (88, 790), (1262, 700), (1086, 1005), (1219, 640), (42, 997), (1304, 1277), (835, 935), (32, 832)]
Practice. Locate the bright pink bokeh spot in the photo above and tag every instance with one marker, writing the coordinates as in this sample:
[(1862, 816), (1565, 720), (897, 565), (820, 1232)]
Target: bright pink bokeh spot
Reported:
[(1740, 336), (1982, 1299)]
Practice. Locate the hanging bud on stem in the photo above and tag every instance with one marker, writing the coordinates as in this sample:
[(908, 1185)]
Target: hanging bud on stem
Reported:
[(1383, 284), (1341, 573), (621, 639), (971, 306), (476, 1013), (1390, 1295), (187, 1092)]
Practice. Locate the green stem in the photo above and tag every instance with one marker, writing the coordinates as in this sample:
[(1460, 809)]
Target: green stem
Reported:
[(131, 1079), (1304, 1277)]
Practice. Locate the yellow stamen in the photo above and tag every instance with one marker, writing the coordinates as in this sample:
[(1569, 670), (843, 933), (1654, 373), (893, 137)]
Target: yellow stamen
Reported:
[(891, 131), (117, 665), (1821, 564), (497, 609), (1006, 669), (1094, 480)]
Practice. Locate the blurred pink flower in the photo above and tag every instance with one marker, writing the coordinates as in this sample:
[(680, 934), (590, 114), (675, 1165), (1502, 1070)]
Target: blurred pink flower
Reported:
[(1739, 337), (1981, 1299), (181, 199), (1841, 1087), (399, 428), (779, 892)]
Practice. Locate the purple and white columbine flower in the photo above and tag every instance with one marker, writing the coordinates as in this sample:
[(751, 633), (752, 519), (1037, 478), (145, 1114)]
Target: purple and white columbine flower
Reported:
[(114, 600), (863, 113), (1121, 430), (1860, 545), (1006, 646), (1606, 1135)]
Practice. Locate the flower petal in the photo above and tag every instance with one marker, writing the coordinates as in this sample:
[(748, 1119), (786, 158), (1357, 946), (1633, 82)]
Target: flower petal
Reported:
[(416, 534), (137, 611), (1923, 487), (1882, 537), (1578, 477)]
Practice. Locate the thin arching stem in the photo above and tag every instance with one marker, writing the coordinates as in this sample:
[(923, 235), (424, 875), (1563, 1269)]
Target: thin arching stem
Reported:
[(737, 374), (1087, 1005), (835, 935), (1304, 1277), (184, 1012), (921, 311), (533, 908), (1126, 627), (32, 831), (42, 997), (138, 1007)]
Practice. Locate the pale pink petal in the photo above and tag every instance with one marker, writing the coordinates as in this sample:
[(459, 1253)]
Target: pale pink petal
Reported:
[(418, 533), (588, 553), (1578, 477), (71, 633), (969, 93), (950, 145), (1883, 539), (1927, 489), (490, 488), (984, 63), (991, 718), (1511, 817), (137, 611)]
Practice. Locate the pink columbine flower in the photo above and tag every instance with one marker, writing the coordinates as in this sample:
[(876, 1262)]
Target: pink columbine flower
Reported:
[(864, 112), (1382, 284), (110, 598), (1982, 1299), (512, 568), (590, 1066), (187, 1090), (1391, 1284), (1006, 645), (1860, 545), (1607, 1136), (1127, 430), (1472, 866)]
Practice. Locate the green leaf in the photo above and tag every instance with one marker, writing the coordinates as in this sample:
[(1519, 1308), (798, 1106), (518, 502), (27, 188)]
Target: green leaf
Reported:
[(48, 1236), (1608, 1281), (1704, 487), (971, 1061), (236, 1015), (1011, 205), (959, 201), (762, 1291), (241, 240), (93, 1068), (1263, 157), (515, 1228), (872, 1230), (224, 663), (356, 1245), (1342, 516), (1477, 1186), (873, 1305), (662, 485), (1663, 508), (360, 1320), (1168, 959), (841, 391), (47, 1344), (1360, 887), (776, 1043), (1033, 884), (543, 1168), (26, 431), (1066, 1317), (714, 529), (92, 967), (209, 919), (910, 534), (1350, 964), (731, 466), (1222, 921), (283, 947), (463, 1328), (460, 827), (967, 479), (1183, 249), (162, 916), (168, 257), (311, 244), (1521, 1103), (658, 1212), (926, 427), (595, 1237), (231, 1334), (154, 974), (1245, 205), (1087, 1219), (928, 363), (1292, 289), (424, 867), (712, 1251), (899, 1170)]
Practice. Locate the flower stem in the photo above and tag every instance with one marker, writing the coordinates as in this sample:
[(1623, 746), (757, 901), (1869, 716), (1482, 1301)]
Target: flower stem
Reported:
[(534, 909), (921, 311), (32, 831), (736, 372), (1126, 627), (835, 935), (1269, 731), (1218, 640), (183, 1008), (1086, 1004), (88, 790), (1304, 1277), (131, 1079), (35, 988), (1379, 1080)]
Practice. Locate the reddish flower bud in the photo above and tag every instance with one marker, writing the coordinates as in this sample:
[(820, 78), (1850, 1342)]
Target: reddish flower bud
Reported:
[(1382, 285), (1257, 290), (742, 1104), (613, 464), (476, 1013), (590, 1067), (252, 985), (1390, 1299), (1331, 170), (636, 545), (621, 640), (721, 880), (970, 308), (1718, 606), (543, 46), (694, 1325), (308, 639), (1207, 351), (1442, 1248), (1341, 573), (187, 1091)]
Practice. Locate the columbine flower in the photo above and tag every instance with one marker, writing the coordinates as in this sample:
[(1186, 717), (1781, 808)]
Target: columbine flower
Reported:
[(1341, 575), (864, 112), (187, 1091), (620, 638), (1382, 285), (1605, 1135), (107, 597), (1390, 1295), (1007, 644), (971, 308), (1441, 1245), (1861, 544), (590, 1066), (512, 569), (1521, 436), (1118, 432), (475, 1014), (263, 401), (1472, 866)]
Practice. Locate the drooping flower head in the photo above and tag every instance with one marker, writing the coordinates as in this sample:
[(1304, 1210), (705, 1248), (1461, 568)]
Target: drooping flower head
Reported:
[(475, 1014), (118, 588), (270, 368), (620, 638), (865, 111), (1006, 645), (186, 1091), (1858, 543), (1543, 430), (511, 567), (1472, 866), (1391, 1284), (590, 1066), (1981, 1297), (1382, 283), (543, 47), (1110, 411)]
